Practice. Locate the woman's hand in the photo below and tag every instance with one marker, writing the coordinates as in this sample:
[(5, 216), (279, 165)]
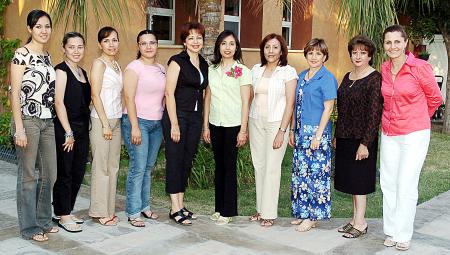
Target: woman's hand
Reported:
[(136, 136), (315, 144), (241, 139), (107, 132), (362, 152), (68, 144), (278, 141), (175, 133), (291, 139), (21, 139), (206, 135)]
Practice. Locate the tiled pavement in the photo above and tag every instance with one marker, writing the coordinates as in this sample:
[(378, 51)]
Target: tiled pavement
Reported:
[(432, 234)]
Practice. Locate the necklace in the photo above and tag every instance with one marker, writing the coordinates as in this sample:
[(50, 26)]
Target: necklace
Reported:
[(394, 74), (113, 64), (358, 76), (308, 76), (75, 70)]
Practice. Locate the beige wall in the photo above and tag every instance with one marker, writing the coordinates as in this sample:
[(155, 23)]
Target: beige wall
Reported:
[(325, 26), (15, 21)]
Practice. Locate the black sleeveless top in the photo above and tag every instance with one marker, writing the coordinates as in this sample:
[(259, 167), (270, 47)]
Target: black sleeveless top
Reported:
[(77, 96)]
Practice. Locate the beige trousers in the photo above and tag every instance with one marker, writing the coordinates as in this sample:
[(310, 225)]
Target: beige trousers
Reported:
[(267, 164), (105, 167)]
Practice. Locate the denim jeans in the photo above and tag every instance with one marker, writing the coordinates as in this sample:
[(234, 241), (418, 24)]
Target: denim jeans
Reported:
[(142, 161), (35, 176)]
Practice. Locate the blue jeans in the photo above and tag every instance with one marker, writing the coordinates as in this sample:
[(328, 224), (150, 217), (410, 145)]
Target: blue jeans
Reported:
[(142, 161), (35, 176)]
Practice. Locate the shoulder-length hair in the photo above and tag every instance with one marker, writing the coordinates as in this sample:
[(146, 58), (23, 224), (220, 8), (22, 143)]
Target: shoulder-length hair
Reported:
[(217, 56), (284, 50)]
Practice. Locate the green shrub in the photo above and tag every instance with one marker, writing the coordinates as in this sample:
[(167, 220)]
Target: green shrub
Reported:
[(5, 136)]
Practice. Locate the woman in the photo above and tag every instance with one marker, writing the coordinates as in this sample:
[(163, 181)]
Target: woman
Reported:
[(359, 104), (32, 103), (411, 96), (225, 120), (144, 84), (106, 82), (311, 139), (273, 82), (71, 124), (187, 77)]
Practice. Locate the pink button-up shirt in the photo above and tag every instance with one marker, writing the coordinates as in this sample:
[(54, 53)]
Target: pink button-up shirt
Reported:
[(411, 99)]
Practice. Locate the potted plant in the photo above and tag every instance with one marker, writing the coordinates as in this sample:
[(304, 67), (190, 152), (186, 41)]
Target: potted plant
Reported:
[(425, 55)]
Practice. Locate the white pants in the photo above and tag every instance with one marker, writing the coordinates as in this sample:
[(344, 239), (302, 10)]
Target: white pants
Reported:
[(267, 164), (401, 160)]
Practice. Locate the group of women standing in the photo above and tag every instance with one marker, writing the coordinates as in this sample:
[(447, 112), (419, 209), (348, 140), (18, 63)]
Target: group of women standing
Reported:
[(227, 104)]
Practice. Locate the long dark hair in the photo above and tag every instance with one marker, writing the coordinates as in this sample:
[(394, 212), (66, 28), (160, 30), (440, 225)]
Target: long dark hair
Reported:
[(105, 32), (145, 32), (284, 50), (217, 56), (34, 16)]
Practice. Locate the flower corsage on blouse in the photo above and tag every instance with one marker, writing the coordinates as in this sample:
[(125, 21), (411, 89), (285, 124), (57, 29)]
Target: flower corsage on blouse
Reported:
[(235, 72)]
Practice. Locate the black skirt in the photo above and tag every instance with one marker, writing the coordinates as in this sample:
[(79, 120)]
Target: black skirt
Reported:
[(356, 177)]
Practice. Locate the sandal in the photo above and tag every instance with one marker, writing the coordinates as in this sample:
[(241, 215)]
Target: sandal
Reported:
[(182, 220), (355, 233), (306, 225), (345, 228), (77, 220), (152, 216), (137, 222), (389, 242), (267, 223), (70, 226), (105, 221), (39, 237), (190, 215), (297, 222), (255, 217), (402, 246), (52, 230)]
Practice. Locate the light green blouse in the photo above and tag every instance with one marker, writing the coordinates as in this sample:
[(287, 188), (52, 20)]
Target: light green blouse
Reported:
[(226, 105)]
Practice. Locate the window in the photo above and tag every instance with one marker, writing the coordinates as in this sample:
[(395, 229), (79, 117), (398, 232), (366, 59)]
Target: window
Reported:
[(161, 19), (286, 26), (232, 16)]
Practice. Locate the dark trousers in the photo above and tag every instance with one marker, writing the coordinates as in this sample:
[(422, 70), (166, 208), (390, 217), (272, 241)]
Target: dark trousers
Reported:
[(179, 156), (71, 166), (223, 140)]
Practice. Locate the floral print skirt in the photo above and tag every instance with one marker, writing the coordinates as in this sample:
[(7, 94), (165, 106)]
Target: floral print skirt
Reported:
[(311, 196)]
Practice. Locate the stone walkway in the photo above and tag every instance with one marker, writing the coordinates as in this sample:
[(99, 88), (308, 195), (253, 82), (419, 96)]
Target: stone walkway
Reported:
[(432, 235)]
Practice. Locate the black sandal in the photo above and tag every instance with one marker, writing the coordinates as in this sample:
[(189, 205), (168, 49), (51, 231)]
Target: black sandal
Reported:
[(188, 214), (182, 220), (345, 228), (355, 233)]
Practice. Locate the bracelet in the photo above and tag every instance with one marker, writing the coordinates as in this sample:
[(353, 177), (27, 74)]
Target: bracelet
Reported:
[(282, 129), (243, 132), (17, 133), (68, 134), (291, 130)]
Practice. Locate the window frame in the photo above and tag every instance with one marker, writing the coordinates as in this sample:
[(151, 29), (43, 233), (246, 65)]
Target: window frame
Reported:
[(151, 11), (235, 19), (288, 25)]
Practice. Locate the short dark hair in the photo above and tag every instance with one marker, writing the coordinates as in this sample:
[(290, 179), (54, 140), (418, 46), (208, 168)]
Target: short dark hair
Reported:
[(105, 32), (364, 43), (144, 32), (69, 35), (192, 25), (217, 56), (396, 28), (284, 50), (316, 44), (35, 15)]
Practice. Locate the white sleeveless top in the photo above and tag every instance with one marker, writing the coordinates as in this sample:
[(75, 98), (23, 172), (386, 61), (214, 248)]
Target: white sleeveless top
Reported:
[(111, 93)]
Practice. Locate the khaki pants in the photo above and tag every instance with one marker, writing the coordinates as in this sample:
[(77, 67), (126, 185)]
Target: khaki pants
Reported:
[(267, 164), (105, 166)]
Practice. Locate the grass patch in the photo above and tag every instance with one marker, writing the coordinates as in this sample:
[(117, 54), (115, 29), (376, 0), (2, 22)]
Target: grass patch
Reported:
[(434, 180)]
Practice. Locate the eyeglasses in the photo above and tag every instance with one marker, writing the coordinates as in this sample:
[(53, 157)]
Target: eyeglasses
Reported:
[(149, 43)]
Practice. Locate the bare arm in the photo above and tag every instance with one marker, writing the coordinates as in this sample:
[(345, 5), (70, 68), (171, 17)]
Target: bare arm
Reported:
[(61, 112), (171, 83), (287, 115), (17, 72), (206, 107), (245, 99), (130, 80), (97, 71)]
